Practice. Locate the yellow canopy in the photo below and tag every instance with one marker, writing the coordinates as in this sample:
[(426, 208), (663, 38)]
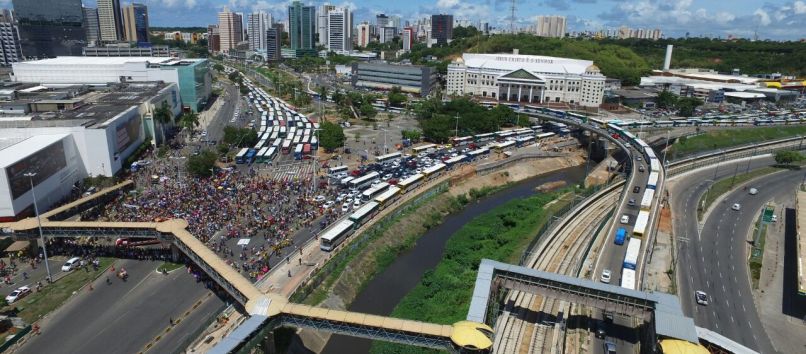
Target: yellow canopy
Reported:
[(676, 346)]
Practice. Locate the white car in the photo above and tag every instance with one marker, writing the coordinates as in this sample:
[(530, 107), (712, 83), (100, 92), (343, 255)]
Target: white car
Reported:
[(71, 264), (701, 297), (319, 198), (356, 203), (606, 276), (345, 207), (341, 197), (17, 294), (736, 206), (753, 191), (328, 204), (625, 219)]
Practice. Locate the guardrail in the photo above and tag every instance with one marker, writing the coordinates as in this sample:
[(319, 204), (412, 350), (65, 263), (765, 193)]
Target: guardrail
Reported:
[(676, 168), (697, 156), (489, 167)]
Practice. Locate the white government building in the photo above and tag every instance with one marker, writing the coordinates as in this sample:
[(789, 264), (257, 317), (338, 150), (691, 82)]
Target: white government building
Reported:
[(526, 79)]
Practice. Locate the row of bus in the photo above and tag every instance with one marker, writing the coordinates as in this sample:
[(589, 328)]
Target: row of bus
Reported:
[(713, 121), (379, 197)]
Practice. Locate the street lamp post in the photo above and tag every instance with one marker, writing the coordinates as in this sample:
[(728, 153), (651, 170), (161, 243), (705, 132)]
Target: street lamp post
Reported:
[(30, 176)]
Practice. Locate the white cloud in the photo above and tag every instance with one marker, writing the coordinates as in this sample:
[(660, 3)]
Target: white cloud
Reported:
[(446, 4), (189, 4), (763, 17), (723, 17), (799, 7)]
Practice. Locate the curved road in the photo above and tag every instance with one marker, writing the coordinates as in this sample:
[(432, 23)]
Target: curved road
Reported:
[(714, 259)]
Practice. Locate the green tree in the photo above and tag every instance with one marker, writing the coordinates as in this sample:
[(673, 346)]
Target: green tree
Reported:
[(163, 116), (323, 93), (666, 100), (337, 97), (331, 136), (218, 67), (396, 97), (234, 76), (686, 105), (222, 149), (201, 165), (240, 137), (367, 110), (189, 120), (787, 157), (413, 135)]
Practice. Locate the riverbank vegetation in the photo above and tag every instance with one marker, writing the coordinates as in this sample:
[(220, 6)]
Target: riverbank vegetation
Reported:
[(443, 295)]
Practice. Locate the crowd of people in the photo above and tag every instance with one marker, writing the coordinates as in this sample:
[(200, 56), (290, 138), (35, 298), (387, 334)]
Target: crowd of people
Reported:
[(232, 204)]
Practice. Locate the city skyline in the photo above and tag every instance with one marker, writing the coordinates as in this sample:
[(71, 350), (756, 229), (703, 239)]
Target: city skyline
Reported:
[(777, 20)]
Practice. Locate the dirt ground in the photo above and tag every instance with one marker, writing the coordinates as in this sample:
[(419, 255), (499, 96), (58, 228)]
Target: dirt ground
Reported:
[(518, 172)]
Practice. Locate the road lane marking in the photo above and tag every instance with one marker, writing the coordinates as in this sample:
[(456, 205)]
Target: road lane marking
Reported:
[(731, 319)]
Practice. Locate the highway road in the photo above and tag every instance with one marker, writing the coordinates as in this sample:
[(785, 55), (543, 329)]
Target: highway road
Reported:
[(714, 259), (123, 317)]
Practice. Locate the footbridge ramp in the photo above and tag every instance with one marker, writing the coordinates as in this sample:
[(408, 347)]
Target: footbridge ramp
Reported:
[(265, 310)]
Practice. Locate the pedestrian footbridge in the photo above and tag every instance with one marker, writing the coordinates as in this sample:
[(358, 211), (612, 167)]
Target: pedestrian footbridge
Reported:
[(265, 310)]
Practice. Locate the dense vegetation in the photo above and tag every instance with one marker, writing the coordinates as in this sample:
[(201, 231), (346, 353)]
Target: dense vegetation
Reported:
[(443, 295), (201, 165), (331, 136), (627, 59), (240, 137), (723, 138), (438, 120)]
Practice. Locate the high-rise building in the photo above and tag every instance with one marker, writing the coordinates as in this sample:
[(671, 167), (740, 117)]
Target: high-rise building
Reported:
[(274, 38), (386, 34), (381, 20), (91, 25), (321, 22), (363, 34), (109, 20), (135, 23), (551, 26), (10, 51), (213, 39), (340, 30), (302, 28), (441, 29), (230, 29), (259, 23), (408, 38), (396, 22), (241, 26), (49, 28)]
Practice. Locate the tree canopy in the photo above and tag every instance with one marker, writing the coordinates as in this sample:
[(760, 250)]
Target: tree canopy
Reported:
[(787, 157), (241, 137), (331, 136), (200, 165), (439, 123)]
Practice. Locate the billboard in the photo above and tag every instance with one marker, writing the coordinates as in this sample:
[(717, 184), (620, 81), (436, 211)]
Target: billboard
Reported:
[(127, 133), (45, 163)]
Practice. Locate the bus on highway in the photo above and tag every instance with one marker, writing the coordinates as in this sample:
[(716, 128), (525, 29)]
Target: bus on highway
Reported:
[(628, 278), (633, 251), (364, 181), (241, 156), (646, 201), (374, 191), (640, 223), (286, 146), (434, 170), (337, 169), (335, 235), (389, 196), (261, 155), (298, 152), (364, 213), (423, 148), (411, 182), (388, 157), (461, 141)]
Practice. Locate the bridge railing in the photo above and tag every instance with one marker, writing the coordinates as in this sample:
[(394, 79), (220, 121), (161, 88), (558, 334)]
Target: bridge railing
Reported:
[(700, 155)]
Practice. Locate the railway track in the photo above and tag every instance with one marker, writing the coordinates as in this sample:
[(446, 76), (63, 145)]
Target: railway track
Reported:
[(530, 323)]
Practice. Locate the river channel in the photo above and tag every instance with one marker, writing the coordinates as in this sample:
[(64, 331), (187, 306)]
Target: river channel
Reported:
[(385, 290)]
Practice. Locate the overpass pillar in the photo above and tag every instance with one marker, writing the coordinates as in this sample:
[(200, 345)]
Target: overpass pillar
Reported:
[(175, 253)]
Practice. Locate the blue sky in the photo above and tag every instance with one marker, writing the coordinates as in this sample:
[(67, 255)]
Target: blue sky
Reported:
[(773, 19)]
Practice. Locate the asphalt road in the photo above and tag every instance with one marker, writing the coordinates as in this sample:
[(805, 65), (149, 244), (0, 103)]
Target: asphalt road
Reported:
[(714, 259), (122, 317)]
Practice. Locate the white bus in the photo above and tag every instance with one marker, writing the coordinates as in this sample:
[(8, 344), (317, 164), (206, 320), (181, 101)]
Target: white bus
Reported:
[(335, 235), (422, 148), (389, 196), (411, 182), (388, 157), (628, 279), (364, 213), (337, 169), (640, 223), (633, 250), (364, 181), (646, 201), (434, 170), (241, 156), (375, 191)]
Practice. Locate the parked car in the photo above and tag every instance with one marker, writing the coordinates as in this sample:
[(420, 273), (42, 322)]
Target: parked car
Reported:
[(606, 276), (71, 264), (636, 189)]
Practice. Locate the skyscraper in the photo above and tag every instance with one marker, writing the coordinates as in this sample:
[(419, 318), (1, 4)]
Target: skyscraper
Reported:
[(213, 39), (551, 26), (381, 20), (340, 30), (386, 34), (408, 38), (363, 34), (302, 28), (50, 27), (441, 29), (259, 22), (230, 29), (274, 37), (321, 22), (91, 25), (135, 23), (9, 39), (109, 20)]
